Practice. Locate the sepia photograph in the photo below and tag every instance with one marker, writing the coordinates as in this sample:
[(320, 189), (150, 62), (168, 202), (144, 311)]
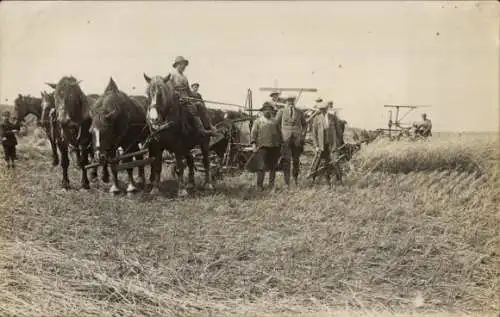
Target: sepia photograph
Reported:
[(249, 158)]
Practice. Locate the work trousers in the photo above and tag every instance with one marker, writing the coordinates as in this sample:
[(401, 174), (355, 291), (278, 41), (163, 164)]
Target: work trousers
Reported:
[(9, 153), (269, 161), (291, 162)]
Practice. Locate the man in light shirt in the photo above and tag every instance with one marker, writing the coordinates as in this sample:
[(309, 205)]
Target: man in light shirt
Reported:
[(424, 128), (325, 140)]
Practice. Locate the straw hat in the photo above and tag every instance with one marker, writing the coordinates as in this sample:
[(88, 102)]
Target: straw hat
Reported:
[(179, 60), (321, 105), (267, 107)]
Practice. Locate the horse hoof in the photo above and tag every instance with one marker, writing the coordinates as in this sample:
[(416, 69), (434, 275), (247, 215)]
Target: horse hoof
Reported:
[(105, 179), (65, 185), (210, 187), (86, 186), (131, 188), (182, 193), (114, 189), (190, 186)]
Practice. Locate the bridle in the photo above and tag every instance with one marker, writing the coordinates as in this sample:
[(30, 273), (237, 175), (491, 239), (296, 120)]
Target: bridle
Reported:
[(159, 89)]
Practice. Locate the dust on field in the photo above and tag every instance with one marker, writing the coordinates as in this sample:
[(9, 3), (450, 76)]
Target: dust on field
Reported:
[(417, 242)]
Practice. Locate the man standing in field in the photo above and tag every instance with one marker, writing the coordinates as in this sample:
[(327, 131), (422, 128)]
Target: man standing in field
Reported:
[(324, 137), (181, 86), (293, 128), (267, 141), (425, 127), (8, 138)]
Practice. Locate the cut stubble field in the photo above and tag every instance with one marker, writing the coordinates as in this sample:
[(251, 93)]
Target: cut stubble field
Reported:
[(414, 230)]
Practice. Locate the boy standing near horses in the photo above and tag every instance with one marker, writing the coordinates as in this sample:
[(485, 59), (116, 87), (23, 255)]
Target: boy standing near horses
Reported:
[(196, 110), (9, 140), (267, 140)]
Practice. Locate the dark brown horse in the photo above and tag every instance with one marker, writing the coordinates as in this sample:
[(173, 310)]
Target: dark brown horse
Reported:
[(48, 123), (142, 100), (25, 105), (118, 121), (47, 116), (72, 126), (177, 135)]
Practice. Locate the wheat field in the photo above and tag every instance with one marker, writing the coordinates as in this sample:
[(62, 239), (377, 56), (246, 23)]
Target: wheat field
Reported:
[(414, 230)]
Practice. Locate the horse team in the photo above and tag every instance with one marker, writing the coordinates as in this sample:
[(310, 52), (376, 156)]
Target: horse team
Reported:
[(96, 126)]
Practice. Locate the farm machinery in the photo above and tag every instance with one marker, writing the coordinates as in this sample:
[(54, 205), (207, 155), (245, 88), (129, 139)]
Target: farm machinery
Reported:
[(230, 150), (396, 129)]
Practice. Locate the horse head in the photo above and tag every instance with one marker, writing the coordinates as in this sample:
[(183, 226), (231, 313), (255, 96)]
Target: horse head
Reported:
[(48, 107), (107, 121), (70, 102), (24, 105), (161, 105), (20, 109)]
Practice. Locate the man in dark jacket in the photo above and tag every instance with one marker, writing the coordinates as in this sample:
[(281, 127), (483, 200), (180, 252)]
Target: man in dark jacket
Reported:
[(9, 140), (293, 127)]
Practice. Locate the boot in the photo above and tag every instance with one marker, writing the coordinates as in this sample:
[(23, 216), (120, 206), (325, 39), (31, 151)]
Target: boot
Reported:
[(199, 126), (213, 130), (295, 173)]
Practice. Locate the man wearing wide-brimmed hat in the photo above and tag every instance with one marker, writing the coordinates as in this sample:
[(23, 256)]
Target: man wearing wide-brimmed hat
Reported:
[(181, 86), (293, 127), (8, 139), (276, 101), (267, 140)]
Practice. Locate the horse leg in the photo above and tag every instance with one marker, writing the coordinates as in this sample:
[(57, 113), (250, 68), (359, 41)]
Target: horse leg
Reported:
[(190, 163), (180, 175), (55, 155), (63, 148), (93, 173), (206, 164), (53, 144), (131, 187), (156, 152), (105, 173), (82, 162), (114, 173), (142, 178)]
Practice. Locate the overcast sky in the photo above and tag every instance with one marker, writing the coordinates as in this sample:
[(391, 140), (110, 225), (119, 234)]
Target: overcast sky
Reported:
[(361, 55)]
